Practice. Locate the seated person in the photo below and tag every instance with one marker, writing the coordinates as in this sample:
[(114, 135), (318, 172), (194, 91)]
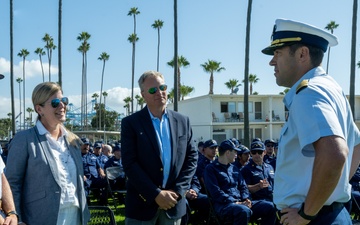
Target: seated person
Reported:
[(210, 151), (198, 202), (119, 182), (98, 153), (94, 176), (258, 175), (270, 157), (355, 193), (243, 157), (229, 192)]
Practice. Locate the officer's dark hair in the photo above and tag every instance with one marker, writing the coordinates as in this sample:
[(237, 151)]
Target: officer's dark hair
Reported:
[(316, 54)]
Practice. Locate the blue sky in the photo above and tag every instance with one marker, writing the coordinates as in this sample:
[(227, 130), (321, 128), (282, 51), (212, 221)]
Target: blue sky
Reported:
[(208, 29)]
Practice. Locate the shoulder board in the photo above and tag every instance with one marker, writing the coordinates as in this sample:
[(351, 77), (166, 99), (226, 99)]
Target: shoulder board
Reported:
[(303, 84)]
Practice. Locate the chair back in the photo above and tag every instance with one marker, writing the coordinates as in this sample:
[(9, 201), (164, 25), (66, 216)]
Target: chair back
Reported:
[(101, 215), (114, 172)]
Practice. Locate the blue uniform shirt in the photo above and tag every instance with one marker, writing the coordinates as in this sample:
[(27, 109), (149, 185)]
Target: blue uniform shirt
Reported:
[(102, 160), (253, 173), (225, 184), (91, 165)]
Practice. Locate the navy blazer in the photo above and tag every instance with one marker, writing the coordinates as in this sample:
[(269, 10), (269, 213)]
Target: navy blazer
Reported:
[(143, 166), (34, 178)]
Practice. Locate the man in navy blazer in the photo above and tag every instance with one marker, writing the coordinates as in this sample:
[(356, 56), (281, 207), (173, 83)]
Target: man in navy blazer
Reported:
[(158, 157)]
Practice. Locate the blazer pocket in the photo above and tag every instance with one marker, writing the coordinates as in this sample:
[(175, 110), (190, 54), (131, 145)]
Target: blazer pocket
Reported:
[(35, 196)]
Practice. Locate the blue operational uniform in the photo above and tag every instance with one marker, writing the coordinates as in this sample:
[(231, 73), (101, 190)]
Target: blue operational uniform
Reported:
[(253, 173), (102, 160), (355, 192), (202, 163), (226, 186), (270, 160), (91, 166), (317, 108)]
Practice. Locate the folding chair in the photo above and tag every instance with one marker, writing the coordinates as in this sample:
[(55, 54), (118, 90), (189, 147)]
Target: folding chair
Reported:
[(101, 215), (213, 216), (112, 173)]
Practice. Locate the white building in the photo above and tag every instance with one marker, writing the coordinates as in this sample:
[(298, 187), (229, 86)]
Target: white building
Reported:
[(221, 116)]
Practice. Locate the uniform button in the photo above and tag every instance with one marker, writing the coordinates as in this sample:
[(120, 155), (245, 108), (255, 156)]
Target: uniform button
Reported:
[(161, 169)]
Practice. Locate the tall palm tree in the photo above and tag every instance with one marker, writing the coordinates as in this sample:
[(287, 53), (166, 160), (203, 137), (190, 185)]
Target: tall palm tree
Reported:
[(185, 91), (95, 96), (353, 58), (83, 48), (232, 83), (212, 66), (23, 53), (19, 80), (30, 111), (158, 24), (170, 96), (253, 79), (105, 94), (40, 52), (50, 46), (331, 27), (246, 78), (59, 43), (132, 39), (12, 68), (140, 101), (127, 101), (133, 12), (103, 57), (181, 62)]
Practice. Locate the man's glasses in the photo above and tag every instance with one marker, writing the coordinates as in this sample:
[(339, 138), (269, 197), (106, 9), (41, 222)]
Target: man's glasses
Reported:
[(269, 146), (56, 102), (153, 90), (259, 152)]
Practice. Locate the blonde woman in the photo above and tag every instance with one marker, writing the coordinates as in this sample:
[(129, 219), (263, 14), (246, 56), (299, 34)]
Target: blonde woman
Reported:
[(44, 166)]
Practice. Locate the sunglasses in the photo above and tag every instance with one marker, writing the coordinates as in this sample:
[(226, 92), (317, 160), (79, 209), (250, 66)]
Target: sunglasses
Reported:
[(56, 102), (153, 90), (269, 146), (259, 152)]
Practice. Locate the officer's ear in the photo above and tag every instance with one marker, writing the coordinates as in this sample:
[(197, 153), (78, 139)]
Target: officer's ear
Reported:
[(303, 53)]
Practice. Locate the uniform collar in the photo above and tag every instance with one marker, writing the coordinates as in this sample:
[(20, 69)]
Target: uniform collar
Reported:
[(317, 71)]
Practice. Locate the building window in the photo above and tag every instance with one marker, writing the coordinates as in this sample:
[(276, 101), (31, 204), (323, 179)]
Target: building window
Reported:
[(228, 107), (241, 107), (224, 107)]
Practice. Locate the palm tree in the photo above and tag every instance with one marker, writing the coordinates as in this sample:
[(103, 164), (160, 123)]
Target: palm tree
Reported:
[(182, 62), (127, 101), (59, 43), (331, 27), (132, 39), (176, 84), (12, 67), (40, 52), (83, 48), (30, 110), (19, 80), (105, 94), (212, 66), (95, 96), (185, 91), (23, 53), (246, 74), (103, 57), (50, 46), (158, 24), (353, 58), (170, 96), (232, 83), (252, 80), (133, 12)]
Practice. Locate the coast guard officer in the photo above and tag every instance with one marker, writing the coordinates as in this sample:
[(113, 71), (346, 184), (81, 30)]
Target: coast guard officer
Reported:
[(309, 187)]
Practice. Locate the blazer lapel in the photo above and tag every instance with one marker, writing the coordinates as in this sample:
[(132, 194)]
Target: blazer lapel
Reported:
[(148, 129)]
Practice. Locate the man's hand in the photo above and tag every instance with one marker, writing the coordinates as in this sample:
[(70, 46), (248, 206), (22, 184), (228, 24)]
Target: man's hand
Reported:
[(11, 220), (101, 173), (247, 202), (191, 194), (292, 217), (263, 184), (166, 199)]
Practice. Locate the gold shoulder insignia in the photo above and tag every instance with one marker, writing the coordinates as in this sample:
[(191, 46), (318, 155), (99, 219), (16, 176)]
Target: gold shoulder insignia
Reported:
[(303, 84)]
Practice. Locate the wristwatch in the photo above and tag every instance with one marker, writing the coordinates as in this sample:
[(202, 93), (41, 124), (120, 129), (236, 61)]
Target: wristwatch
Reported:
[(303, 215), (12, 212)]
